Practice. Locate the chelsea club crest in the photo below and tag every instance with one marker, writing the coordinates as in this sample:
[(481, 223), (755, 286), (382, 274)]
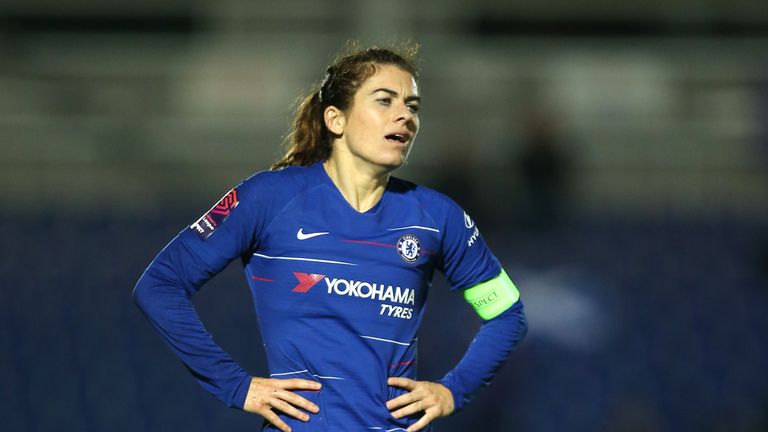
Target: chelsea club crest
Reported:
[(409, 247)]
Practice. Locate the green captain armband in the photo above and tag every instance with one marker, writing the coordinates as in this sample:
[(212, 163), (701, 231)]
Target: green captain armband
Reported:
[(492, 297)]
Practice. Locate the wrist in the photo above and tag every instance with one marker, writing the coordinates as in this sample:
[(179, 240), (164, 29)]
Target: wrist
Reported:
[(457, 396), (241, 393), (447, 396)]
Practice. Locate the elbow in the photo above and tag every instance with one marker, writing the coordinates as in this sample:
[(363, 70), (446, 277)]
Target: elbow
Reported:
[(157, 288), (147, 290), (516, 322), (520, 319), (523, 324), (141, 292)]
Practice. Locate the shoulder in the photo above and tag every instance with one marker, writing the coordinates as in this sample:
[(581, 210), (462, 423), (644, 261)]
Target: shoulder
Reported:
[(274, 183), (423, 194), (436, 204), (264, 194)]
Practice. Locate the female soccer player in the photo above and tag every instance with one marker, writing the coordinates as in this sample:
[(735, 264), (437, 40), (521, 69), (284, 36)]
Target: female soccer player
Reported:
[(339, 256)]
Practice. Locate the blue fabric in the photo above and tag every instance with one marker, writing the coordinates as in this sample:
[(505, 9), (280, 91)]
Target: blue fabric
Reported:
[(496, 339), (339, 294)]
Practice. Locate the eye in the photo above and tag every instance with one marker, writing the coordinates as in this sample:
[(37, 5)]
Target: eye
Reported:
[(414, 108), (386, 101)]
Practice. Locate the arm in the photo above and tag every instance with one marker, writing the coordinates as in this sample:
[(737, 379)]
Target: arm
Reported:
[(163, 294), (497, 302), (469, 266)]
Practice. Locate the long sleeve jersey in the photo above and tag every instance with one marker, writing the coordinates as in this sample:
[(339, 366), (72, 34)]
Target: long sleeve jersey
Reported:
[(339, 294)]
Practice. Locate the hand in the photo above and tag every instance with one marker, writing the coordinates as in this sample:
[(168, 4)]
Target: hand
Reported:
[(268, 394), (434, 399)]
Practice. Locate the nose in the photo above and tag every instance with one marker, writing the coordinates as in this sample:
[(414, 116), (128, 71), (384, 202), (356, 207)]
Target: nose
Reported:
[(405, 115)]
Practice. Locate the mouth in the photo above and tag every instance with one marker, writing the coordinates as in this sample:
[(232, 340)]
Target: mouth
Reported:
[(400, 138)]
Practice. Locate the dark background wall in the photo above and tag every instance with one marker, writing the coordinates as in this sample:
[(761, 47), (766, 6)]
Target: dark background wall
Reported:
[(613, 157)]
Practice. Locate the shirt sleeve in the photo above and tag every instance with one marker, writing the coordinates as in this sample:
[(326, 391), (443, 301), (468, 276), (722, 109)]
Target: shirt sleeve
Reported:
[(232, 227), (466, 259), (490, 348), (466, 262), (163, 293)]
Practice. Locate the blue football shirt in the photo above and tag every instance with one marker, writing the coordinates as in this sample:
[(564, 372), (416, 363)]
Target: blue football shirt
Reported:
[(339, 294)]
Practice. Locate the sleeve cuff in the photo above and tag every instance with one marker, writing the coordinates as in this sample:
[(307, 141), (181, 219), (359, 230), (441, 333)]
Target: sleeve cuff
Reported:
[(458, 398), (241, 392)]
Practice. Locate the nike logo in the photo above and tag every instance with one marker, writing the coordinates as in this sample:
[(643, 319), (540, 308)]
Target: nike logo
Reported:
[(301, 236)]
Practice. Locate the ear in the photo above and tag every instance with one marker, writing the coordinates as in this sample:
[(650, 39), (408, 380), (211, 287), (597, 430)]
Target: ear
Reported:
[(334, 120)]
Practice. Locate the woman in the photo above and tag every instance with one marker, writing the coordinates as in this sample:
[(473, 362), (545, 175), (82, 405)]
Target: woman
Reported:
[(339, 256)]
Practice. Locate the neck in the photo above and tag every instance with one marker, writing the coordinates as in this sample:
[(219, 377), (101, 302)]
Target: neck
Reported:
[(361, 184)]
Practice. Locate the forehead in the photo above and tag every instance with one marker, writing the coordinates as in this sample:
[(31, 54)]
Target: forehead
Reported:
[(392, 78)]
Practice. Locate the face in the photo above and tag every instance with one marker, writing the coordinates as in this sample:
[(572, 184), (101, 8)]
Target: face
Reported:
[(381, 123)]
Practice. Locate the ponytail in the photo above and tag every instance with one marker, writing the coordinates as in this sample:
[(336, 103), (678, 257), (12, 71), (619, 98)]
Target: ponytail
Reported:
[(308, 140)]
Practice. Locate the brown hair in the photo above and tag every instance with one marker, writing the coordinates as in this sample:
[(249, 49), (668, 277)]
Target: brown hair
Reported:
[(308, 140)]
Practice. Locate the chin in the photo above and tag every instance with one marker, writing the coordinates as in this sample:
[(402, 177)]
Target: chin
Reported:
[(394, 163), (391, 161)]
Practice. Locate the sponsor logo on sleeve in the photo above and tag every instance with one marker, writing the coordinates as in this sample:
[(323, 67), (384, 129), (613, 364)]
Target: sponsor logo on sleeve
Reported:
[(209, 222), (473, 238), (469, 224)]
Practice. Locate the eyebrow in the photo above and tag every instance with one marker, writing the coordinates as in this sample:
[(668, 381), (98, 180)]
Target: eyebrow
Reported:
[(394, 93)]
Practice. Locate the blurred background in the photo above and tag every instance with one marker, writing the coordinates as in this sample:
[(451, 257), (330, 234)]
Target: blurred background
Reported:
[(614, 156)]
